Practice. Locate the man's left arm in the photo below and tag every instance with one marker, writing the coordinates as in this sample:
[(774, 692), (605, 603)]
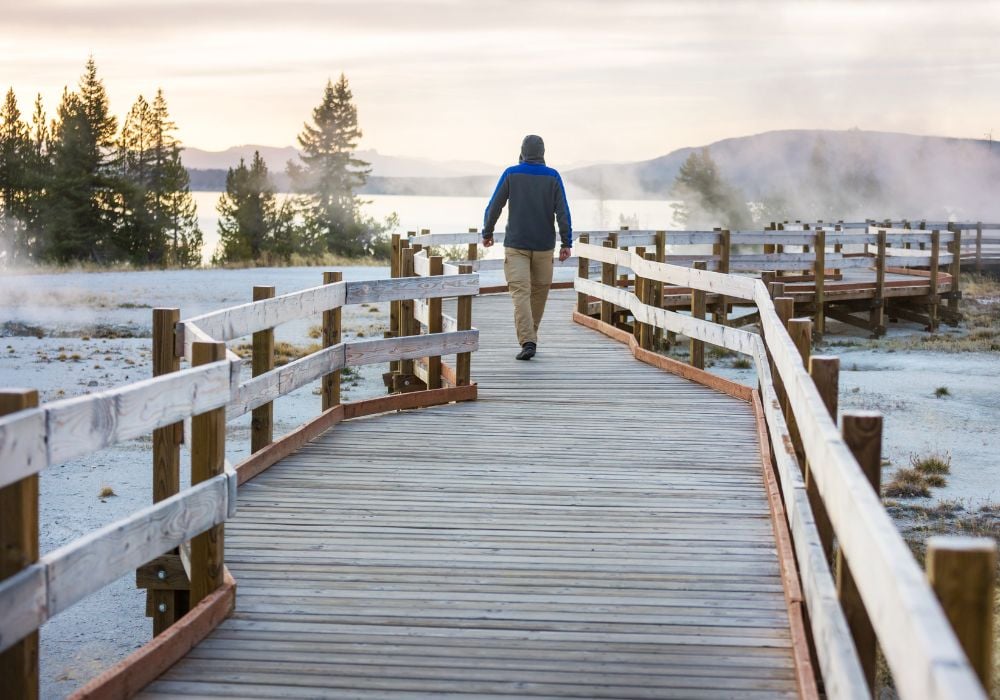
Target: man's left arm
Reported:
[(563, 219)]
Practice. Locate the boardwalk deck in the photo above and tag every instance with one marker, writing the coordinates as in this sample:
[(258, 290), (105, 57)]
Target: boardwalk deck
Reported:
[(563, 536)]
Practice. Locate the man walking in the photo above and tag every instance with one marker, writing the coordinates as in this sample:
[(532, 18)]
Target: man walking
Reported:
[(536, 196)]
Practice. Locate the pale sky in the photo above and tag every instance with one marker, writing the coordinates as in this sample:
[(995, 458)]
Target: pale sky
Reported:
[(613, 80)]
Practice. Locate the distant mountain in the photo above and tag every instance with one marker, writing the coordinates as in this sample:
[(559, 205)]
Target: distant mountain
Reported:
[(382, 165), (917, 175)]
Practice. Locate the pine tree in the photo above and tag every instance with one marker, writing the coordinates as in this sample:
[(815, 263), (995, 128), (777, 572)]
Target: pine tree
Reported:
[(15, 186), (705, 198), (82, 206), (174, 209), (252, 228), (330, 174), (159, 223)]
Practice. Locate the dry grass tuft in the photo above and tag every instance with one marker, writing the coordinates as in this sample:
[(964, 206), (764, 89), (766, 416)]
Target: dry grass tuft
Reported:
[(907, 483), (106, 492), (283, 352), (933, 463)]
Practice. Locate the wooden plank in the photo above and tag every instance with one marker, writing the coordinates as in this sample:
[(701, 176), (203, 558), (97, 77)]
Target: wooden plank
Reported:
[(463, 361), (862, 432), (730, 338), (285, 379), (330, 385), (262, 421), (698, 309), (383, 350), (85, 424), (19, 551), (907, 619), (962, 571), (208, 456), (166, 606), (434, 325), (412, 288), (714, 282), (244, 319), (23, 450)]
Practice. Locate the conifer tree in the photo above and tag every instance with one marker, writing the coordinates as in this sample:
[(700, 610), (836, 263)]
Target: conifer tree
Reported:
[(159, 220), (82, 199), (15, 187), (330, 174), (252, 228), (705, 198)]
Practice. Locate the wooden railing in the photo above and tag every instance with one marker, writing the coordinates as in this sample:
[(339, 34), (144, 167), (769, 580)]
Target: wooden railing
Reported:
[(861, 584), (177, 544)]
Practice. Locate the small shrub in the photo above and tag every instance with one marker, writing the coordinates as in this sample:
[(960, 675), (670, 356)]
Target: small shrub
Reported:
[(942, 391), (106, 492), (935, 480), (933, 463), (742, 363), (907, 483), (315, 332), (373, 310)]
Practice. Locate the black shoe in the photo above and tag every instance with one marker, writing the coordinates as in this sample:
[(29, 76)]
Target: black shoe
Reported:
[(527, 351)]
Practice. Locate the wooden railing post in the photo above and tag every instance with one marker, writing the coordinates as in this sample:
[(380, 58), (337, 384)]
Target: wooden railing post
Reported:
[(331, 336), (661, 257), (640, 294), (825, 373), (876, 317), (166, 606), (956, 275), (649, 299), (434, 325), (262, 417), (820, 274), (208, 455), (406, 312), (698, 311), (721, 249), (934, 300), (608, 278), (962, 571), (19, 550), (463, 361), (862, 431), (800, 330), (394, 305), (583, 272), (979, 247), (472, 253)]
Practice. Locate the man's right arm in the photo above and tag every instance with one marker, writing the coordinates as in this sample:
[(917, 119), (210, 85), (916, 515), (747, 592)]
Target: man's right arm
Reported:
[(496, 205)]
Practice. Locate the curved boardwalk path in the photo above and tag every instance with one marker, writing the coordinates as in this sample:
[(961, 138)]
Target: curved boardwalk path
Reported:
[(590, 527)]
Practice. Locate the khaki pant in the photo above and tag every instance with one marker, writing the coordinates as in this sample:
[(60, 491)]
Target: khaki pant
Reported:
[(529, 275)]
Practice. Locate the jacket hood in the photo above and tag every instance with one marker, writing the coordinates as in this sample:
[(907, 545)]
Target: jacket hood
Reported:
[(532, 150)]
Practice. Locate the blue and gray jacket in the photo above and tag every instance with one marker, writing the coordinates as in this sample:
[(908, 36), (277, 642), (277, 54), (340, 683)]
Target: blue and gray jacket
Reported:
[(536, 196)]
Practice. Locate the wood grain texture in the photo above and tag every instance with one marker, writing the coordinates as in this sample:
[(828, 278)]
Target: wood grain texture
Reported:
[(540, 568), (82, 425), (18, 551), (910, 626)]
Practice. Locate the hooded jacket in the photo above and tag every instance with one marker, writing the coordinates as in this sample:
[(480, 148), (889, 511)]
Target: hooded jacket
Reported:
[(536, 196)]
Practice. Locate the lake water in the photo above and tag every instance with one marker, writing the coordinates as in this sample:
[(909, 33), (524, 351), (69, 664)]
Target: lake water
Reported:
[(457, 214)]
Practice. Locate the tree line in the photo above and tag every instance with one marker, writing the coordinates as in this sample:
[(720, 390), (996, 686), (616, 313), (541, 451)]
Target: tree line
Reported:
[(77, 188)]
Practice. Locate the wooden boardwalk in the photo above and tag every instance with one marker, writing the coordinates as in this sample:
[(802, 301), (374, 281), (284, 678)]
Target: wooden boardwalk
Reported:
[(562, 536)]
